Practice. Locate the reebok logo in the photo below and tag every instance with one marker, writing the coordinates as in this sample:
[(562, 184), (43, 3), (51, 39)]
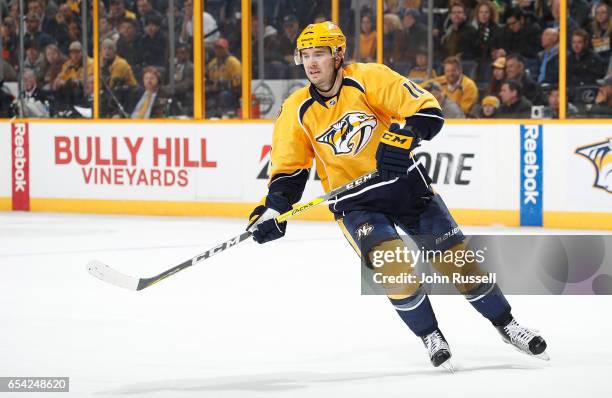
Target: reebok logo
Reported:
[(20, 161), (531, 199)]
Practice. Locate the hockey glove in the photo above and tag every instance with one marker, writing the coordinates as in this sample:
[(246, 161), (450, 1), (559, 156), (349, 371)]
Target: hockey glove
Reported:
[(262, 221), (393, 153)]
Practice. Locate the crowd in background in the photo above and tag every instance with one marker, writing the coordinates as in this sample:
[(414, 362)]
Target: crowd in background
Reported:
[(491, 59)]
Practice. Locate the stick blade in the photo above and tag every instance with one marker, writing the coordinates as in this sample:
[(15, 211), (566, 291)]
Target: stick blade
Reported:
[(109, 275)]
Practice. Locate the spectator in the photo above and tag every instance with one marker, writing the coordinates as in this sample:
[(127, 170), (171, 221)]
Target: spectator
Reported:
[(367, 40), (498, 77), (35, 102), (486, 19), (528, 7), (514, 104), (34, 60), (413, 35), (115, 70), (68, 87), (183, 79), (145, 8), (107, 31), (518, 36), (286, 42), (392, 32), (601, 31), (552, 109), (13, 9), (211, 31), (450, 109), (230, 24), (7, 109), (320, 18), (459, 38), (86, 102), (74, 32), (274, 63), (549, 57), (515, 70), (65, 14), (10, 41), (33, 32), (584, 66), (603, 101), (54, 61), (457, 86), (570, 22), (127, 44), (63, 19), (117, 13), (7, 72), (487, 109), (150, 104), (209, 26), (47, 23), (419, 72), (152, 47), (579, 10), (223, 82), (72, 70)]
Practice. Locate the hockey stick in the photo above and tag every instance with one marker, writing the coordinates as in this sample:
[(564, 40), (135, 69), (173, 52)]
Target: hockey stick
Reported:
[(114, 277)]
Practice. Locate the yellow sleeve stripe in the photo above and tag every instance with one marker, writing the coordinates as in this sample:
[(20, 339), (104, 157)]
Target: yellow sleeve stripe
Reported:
[(396, 140)]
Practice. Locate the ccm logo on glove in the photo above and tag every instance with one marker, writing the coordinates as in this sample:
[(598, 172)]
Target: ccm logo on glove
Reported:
[(400, 141)]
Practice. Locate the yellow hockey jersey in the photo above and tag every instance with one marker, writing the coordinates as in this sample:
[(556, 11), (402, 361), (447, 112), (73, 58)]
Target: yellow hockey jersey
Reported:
[(342, 134)]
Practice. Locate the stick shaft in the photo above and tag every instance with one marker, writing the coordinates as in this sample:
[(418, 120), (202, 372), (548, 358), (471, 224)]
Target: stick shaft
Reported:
[(299, 209)]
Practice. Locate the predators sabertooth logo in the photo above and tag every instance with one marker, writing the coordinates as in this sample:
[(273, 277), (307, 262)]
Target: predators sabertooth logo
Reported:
[(350, 134), (600, 154), (364, 230)]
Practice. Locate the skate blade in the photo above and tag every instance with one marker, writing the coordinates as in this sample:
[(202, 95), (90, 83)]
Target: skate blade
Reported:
[(543, 356), (448, 365)]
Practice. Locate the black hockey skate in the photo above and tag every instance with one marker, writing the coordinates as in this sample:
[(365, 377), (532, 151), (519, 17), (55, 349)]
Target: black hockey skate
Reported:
[(523, 339), (438, 350)]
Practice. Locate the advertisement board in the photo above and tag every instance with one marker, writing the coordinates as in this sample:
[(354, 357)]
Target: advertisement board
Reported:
[(513, 174), (5, 165)]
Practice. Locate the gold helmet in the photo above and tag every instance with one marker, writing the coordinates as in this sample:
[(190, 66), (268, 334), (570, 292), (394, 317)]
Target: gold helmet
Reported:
[(322, 34)]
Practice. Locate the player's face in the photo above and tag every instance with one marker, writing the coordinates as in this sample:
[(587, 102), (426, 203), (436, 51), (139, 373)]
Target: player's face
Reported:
[(319, 65)]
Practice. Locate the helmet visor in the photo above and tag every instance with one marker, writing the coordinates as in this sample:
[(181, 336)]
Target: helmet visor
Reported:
[(313, 54)]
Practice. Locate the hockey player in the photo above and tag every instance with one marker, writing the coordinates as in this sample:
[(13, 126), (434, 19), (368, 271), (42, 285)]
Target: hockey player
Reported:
[(354, 119)]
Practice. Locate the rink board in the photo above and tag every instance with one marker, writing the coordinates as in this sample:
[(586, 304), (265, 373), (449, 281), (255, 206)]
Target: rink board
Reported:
[(5, 166), (221, 169)]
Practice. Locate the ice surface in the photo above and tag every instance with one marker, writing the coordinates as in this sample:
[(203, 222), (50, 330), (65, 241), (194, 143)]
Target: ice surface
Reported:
[(282, 319)]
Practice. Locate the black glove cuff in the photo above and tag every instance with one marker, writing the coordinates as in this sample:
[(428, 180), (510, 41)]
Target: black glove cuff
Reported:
[(278, 202)]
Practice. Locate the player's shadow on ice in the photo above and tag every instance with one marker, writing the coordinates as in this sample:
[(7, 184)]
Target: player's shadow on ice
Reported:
[(280, 382)]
